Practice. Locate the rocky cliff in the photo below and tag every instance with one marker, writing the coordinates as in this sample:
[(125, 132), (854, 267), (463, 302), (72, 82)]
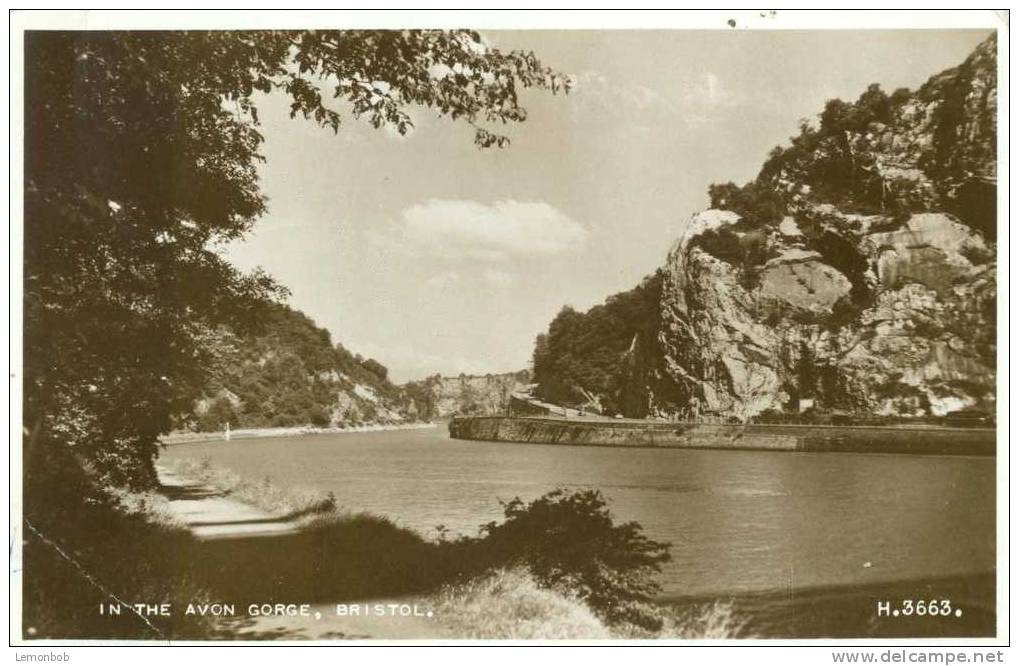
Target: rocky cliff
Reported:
[(438, 397), (856, 273), (291, 374)]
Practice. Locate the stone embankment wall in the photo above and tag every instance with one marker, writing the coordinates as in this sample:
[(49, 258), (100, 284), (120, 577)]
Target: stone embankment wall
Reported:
[(929, 440)]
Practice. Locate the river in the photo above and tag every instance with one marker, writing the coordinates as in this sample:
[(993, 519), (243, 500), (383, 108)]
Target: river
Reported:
[(746, 525)]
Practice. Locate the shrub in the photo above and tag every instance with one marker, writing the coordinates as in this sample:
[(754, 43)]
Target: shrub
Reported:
[(557, 567), (977, 254), (569, 541), (376, 368), (318, 416), (843, 312), (747, 251), (755, 204), (215, 418)]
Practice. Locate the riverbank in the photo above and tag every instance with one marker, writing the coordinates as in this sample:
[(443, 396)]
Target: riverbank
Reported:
[(817, 438), (507, 603), (185, 437), (786, 514), (358, 576), (214, 504), (850, 611)]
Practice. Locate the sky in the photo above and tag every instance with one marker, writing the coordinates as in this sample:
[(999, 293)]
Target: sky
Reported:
[(433, 256)]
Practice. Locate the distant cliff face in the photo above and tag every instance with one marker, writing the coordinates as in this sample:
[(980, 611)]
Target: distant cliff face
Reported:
[(438, 397), (291, 374), (856, 273)]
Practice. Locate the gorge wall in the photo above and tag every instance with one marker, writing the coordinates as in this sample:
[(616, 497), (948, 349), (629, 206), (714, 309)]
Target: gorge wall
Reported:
[(856, 273), (290, 373), (439, 397)]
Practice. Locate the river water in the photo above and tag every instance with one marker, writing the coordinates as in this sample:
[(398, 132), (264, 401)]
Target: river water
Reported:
[(742, 523)]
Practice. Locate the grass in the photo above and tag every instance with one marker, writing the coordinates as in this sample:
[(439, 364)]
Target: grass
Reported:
[(261, 494), (130, 549), (708, 621), (510, 604), (151, 506), (351, 556)]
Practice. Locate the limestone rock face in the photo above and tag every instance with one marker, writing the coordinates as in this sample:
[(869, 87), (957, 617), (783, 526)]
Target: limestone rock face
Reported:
[(921, 342), (714, 348), (472, 394), (934, 151), (886, 308)]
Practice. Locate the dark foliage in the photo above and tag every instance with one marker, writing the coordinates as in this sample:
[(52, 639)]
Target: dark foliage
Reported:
[(80, 555), (337, 557), (954, 153), (141, 154), (376, 368), (741, 246), (756, 205), (589, 350), (821, 157), (421, 394), (829, 159), (838, 251), (288, 374), (826, 159), (568, 540), (82, 549), (217, 415)]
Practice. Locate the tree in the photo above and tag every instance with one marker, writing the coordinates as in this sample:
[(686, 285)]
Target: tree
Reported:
[(723, 195), (587, 353), (833, 118), (141, 152), (540, 355), (569, 540), (219, 413), (376, 368), (873, 106)]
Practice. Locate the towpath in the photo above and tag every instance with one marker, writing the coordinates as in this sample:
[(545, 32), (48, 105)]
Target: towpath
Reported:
[(211, 514)]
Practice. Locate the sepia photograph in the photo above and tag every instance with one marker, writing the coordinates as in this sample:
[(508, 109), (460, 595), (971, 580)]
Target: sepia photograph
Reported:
[(508, 328)]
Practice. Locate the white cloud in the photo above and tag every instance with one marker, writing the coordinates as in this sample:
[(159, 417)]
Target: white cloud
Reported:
[(592, 89), (691, 100), (704, 96), (443, 279), (710, 89), (498, 277), (505, 229)]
